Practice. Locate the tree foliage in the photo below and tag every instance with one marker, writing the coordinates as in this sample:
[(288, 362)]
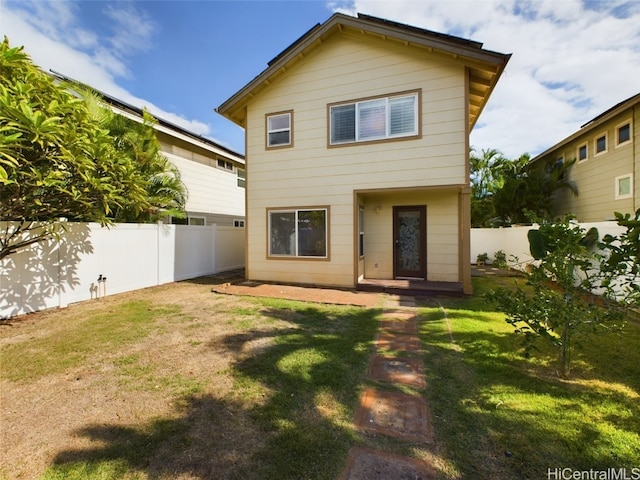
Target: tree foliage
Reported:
[(486, 180), (506, 192), (528, 189), (621, 268), (557, 305), (58, 159), (165, 194)]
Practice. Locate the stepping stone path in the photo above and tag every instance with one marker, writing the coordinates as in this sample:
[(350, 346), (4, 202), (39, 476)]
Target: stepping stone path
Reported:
[(381, 412)]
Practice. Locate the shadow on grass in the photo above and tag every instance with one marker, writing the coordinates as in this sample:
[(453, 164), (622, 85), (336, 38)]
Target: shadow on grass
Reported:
[(500, 415), (307, 383), (287, 416), (207, 439)]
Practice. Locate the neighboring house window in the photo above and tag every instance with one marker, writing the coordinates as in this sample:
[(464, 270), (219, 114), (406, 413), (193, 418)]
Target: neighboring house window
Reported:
[(582, 152), (623, 134), (601, 144), (624, 186), (298, 233), (242, 178), (188, 221), (361, 231), (279, 130), (374, 119), (238, 223), (225, 165), (558, 165)]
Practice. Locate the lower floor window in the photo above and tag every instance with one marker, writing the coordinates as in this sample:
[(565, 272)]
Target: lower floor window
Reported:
[(298, 232)]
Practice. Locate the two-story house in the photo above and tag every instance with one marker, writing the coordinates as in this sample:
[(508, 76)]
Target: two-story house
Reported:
[(214, 175), (357, 151), (607, 154)]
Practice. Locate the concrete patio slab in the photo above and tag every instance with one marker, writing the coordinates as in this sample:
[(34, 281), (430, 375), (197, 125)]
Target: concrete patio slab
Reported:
[(367, 464), (394, 414)]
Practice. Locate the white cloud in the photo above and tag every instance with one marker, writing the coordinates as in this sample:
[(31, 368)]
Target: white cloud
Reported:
[(55, 39), (132, 28), (571, 60)]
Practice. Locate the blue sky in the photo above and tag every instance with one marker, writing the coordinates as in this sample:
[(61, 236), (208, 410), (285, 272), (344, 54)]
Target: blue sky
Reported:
[(571, 59)]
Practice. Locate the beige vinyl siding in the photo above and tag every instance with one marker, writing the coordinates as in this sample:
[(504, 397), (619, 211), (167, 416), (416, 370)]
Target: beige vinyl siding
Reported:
[(312, 174), (442, 233), (595, 176), (636, 156)]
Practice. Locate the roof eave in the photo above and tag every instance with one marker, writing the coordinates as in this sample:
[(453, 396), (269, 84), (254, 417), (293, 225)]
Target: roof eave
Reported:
[(591, 125), (233, 108)]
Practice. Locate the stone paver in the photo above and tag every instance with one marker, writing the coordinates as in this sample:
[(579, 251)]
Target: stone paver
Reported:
[(367, 464), (404, 370), (386, 341), (394, 414), (398, 315), (409, 327)]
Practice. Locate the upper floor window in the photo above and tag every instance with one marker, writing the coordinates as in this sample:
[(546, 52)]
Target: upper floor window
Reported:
[(601, 144), (623, 134), (224, 164), (582, 152), (558, 166), (242, 177), (374, 119), (279, 129)]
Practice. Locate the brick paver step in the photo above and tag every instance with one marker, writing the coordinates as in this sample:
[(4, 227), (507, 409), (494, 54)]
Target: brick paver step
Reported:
[(365, 463), (390, 341), (404, 370), (408, 327), (394, 414)]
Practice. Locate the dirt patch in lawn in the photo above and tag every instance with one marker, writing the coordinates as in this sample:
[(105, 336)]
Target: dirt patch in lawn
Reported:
[(174, 381)]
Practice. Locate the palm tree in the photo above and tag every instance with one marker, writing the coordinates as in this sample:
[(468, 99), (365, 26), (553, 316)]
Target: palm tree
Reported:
[(486, 180), (528, 189)]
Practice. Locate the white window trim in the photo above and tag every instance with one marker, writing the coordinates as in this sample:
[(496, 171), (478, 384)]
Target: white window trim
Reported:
[(224, 167), (238, 223), (238, 178), (617, 186), (595, 144), (622, 124), (195, 217), (387, 137), (586, 145), (295, 211), (288, 113)]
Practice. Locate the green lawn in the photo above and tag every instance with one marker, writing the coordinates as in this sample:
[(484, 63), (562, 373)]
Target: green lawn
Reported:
[(500, 415), (284, 409)]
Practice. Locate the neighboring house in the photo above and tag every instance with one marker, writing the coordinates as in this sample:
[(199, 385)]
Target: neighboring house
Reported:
[(607, 153), (358, 154), (213, 174)]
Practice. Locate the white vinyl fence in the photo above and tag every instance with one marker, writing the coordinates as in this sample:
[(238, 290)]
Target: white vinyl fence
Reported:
[(130, 256), (514, 243)]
